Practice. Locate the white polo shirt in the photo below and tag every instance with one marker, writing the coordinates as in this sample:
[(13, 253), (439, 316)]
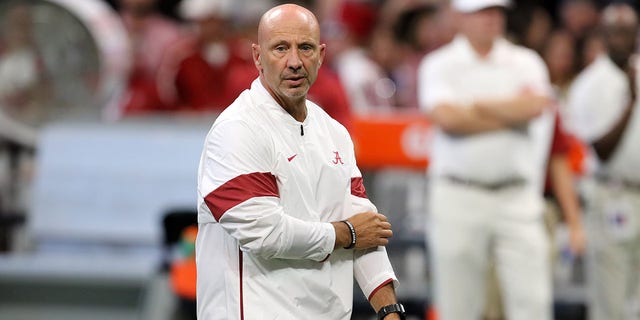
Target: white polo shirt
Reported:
[(597, 99), (456, 74)]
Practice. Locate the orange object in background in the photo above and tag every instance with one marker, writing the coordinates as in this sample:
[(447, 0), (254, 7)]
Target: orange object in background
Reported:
[(391, 140), (183, 279), (183, 271), (404, 141), (431, 313), (577, 155)]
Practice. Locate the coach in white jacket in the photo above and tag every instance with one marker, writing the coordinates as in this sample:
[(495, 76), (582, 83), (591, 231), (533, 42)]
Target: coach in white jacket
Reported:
[(284, 220)]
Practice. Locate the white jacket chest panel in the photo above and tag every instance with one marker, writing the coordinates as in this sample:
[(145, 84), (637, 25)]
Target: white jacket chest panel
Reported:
[(312, 171)]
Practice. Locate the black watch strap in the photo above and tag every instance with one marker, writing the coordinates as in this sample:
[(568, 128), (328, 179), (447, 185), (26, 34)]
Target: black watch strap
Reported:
[(392, 308)]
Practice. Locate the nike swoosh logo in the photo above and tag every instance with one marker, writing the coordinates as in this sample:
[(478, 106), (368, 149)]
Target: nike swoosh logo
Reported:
[(291, 158)]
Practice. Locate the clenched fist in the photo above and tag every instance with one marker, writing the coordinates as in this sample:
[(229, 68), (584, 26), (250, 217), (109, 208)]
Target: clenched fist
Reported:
[(371, 229)]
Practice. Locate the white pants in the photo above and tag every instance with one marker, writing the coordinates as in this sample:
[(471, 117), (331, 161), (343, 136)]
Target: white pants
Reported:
[(469, 225), (613, 253)]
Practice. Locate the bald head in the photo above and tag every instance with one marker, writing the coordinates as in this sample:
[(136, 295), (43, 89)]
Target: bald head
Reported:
[(285, 16), (288, 55)]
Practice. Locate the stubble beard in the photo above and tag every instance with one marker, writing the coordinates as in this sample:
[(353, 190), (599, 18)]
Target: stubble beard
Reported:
[(297, 92)]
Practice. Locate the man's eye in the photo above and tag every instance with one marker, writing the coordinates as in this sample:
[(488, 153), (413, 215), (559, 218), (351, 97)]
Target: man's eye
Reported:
[(281, 48), (306, 48)]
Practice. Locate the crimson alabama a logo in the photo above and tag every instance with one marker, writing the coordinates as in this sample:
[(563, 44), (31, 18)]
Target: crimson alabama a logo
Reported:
[(337, 159)]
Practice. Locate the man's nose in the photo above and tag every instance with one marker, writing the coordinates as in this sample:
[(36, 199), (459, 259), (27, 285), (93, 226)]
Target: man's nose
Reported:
[(293, 61)]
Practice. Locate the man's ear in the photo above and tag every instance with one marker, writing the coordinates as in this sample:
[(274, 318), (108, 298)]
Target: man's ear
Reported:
[(323, 51), (255, 53)]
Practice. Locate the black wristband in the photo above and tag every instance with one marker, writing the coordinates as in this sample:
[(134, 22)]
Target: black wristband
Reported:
[(352, 230), (392, 308)]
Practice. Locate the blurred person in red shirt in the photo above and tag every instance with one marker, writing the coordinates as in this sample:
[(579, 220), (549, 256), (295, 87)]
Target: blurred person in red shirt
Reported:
[(150, 33), (206, 70)]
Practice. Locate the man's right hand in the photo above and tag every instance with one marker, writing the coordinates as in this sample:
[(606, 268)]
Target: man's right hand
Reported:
[(372, 230)]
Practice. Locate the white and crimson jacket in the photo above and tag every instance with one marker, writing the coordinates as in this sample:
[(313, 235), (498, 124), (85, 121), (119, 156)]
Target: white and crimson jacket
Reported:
[(268, 186)]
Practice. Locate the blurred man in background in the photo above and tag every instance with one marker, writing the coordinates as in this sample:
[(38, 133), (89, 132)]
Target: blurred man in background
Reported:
[(489, 101), (602, 104)]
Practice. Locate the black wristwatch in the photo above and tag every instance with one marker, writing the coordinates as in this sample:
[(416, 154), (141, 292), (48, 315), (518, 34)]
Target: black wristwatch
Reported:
[(392, 308)]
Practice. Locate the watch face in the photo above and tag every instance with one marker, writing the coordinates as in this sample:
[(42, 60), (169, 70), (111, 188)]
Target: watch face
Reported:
[(52, 65)]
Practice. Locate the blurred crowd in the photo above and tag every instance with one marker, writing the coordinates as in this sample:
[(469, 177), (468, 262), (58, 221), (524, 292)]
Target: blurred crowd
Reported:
[(201, 61), (193, 57), (374, 51)]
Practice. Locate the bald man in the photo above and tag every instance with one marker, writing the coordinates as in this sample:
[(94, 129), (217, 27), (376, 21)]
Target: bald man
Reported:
[(284, 220), (603, 107)]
